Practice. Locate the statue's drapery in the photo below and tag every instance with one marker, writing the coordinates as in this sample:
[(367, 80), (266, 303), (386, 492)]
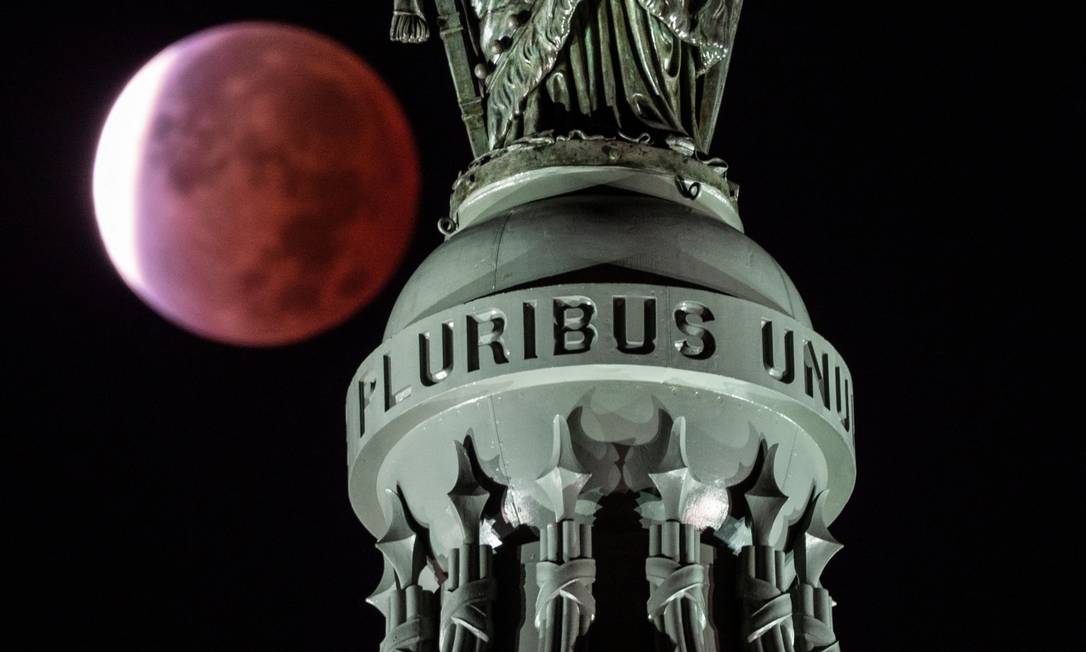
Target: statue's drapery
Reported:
[(633, 66)]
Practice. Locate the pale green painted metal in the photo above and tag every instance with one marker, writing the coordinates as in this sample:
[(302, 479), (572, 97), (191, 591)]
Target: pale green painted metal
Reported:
[(597, 324)]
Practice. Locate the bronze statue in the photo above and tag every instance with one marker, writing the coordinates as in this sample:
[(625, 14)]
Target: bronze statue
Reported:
[(596, 270), (610, 67)]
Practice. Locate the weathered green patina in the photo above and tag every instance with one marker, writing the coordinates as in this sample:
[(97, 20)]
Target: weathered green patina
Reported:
[(610, 67), (600, 417)]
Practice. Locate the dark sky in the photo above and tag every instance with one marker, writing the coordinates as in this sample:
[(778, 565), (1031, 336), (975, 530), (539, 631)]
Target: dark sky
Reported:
[(179, 494)]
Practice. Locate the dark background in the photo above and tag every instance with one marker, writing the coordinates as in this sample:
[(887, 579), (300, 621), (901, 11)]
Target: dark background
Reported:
[(170, 492)]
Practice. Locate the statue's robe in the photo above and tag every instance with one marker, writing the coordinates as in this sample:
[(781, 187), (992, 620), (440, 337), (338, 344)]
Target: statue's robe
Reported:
[(609, 66)]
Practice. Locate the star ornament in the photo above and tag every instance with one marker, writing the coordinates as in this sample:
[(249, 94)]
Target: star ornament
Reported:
[(563, 479)]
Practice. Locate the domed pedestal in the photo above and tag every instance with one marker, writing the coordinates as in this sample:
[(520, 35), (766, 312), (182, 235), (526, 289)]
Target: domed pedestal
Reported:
[(597, 402)]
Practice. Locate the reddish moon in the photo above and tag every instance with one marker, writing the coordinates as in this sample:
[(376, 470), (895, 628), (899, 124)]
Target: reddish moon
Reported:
[(256, 184)]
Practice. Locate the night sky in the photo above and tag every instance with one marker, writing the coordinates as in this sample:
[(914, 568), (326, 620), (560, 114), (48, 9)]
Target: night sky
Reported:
[(175, 493)]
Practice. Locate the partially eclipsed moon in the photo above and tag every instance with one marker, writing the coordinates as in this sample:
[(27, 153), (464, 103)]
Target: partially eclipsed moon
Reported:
[(256, 184)]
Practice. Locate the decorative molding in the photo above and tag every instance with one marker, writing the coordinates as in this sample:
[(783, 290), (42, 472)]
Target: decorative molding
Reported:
[(407, 606), (466, 623), (813, 605), (565, 606), (763, 581)]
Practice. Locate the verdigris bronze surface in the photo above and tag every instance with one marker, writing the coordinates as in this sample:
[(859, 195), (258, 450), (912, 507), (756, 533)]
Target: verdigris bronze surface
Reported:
[(610, 67)]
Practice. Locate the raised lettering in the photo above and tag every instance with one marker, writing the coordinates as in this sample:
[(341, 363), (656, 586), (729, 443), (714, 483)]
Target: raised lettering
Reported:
[(393, 398), (844, 401), (427, 376), (573, 329), (815, 373), (366, 387), (491, 339), (529, 330), (647, 343), (700, 343), (787, 372)]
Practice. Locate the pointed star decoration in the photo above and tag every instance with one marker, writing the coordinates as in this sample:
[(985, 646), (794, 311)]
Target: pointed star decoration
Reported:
[(564, 477), (672, 476), (765, 499), (386, 589), (467, 496), (735, 533), (683, 497), (818, 545), (400, 544)]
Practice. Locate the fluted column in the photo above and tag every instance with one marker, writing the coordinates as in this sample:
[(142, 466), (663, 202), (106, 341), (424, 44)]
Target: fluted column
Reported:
[(407, 606), (565, 605), (676, 575), (763, 576), (469, 589), (813, 604)]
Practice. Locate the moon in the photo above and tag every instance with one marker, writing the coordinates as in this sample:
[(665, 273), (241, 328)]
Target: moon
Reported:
[(256, 184)]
